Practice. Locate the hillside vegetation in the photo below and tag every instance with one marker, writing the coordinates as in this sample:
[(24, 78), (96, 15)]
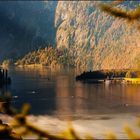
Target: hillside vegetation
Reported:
[(48, 56), (110, 42), (94, 39)]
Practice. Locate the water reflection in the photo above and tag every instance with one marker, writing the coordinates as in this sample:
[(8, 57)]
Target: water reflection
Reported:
[(5, 91), (62, 96), (133, 94), (75, 99), (33, 86), (5, 100)]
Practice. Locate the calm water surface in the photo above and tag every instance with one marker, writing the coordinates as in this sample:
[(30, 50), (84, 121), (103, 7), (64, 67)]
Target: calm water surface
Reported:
[(57, 93)]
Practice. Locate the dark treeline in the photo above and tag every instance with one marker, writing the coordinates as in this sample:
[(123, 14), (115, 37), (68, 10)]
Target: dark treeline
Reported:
[(102, 74)]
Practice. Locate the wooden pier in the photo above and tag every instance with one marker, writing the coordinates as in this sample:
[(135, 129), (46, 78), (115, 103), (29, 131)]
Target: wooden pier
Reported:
[(4, 78)]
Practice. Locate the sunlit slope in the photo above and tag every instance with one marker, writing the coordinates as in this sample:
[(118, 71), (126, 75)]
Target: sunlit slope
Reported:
[(96, 38)]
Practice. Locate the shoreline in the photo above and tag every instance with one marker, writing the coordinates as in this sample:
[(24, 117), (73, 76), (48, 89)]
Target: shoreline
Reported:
[(97, 128)]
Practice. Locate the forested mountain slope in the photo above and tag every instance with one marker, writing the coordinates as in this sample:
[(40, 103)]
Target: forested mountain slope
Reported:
[(98, 40), (94, 39)]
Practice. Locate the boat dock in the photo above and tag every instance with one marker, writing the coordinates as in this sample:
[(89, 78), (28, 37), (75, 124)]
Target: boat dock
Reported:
[(4, 78)]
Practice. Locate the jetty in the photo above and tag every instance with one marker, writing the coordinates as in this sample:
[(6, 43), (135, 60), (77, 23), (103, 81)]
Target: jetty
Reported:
[(4, 78)]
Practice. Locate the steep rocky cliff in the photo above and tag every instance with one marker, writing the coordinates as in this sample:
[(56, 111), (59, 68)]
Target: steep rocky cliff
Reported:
[(97, 40)]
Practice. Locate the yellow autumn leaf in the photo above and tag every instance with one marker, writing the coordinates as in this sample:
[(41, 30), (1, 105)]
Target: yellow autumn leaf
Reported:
[(130, 133), (111, 136)]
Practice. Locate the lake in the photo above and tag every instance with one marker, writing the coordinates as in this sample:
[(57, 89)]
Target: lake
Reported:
[(56, 93)]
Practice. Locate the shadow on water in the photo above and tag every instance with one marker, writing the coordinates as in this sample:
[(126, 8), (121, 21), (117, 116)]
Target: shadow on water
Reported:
[(34, 87), (5, 96)]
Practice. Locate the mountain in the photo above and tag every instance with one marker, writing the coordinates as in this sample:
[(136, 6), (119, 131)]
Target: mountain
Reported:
[(25, 26), (94, 39), (97, 40)]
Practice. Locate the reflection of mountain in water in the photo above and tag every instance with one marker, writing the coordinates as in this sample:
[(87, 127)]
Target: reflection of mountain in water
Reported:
[(80, 100), (33, 87), (62, 96)]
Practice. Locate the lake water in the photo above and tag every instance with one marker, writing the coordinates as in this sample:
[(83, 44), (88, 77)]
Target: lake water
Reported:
[(56, 93)]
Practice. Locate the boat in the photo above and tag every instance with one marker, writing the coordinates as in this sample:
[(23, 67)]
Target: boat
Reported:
[(132, 80)]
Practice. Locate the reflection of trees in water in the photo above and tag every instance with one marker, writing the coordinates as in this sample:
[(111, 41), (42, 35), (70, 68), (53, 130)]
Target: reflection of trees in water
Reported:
[(63, 97), (34, 86), (70, 98), (80, 99), (34, 71), (85, 99), (113, 95), (132, 94), (5, 100), (123, 94), (5, 91)]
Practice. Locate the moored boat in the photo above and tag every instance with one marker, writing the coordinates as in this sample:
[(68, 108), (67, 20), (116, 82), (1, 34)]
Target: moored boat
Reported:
[(132, 80)]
